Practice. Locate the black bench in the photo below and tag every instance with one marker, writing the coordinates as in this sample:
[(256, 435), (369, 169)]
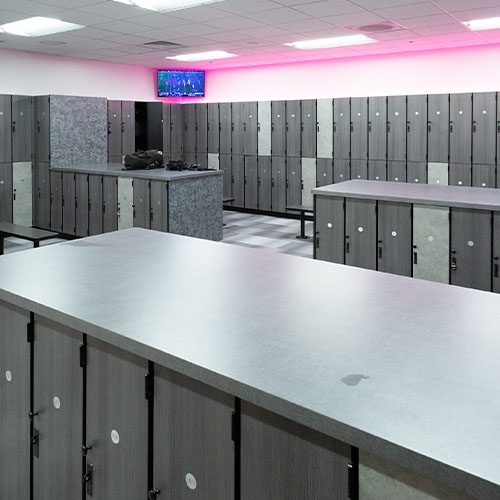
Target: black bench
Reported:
[(225, 201), (25, 233), (302, 209)]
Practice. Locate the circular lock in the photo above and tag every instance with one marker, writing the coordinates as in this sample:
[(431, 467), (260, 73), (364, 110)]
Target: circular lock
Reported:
[(8, 376), (56, 402), (191, 481), (115, 437)]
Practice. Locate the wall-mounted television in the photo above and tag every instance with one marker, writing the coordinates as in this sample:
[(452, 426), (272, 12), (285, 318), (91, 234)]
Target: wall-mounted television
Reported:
[(185, 83)]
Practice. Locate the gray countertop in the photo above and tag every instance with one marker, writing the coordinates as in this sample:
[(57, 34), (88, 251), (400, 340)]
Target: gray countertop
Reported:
[(403, 368), (425, 194)]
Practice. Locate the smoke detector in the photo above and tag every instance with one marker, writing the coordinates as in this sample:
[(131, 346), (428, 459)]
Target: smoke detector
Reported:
[(378, 28)]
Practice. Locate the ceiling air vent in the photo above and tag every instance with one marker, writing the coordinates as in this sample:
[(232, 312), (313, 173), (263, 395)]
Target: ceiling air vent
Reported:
[(378, 28), (162, 44)]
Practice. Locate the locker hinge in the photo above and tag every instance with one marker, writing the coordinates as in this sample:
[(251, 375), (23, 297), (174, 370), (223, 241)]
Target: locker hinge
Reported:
[(235, 426), (83, 356), (30, 330), (149, 386)]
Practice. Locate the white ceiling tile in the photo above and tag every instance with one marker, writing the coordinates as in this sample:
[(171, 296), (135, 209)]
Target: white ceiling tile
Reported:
[(408, 11), (79, 17), (125, 27), (458, 5), (382, 4), (244, 6), (441, 30), (428, 21), (355, 19), (307, 26), (279, 16), (158, 21), (234, 23), (113, 10), (29, 8), (328, 8), (467, 15)]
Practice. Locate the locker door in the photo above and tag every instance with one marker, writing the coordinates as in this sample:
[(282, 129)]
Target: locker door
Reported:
[(396, 171), (341, 170), (309, 128), (193, 445), (361, 233), (69, 203), (293, 181), (201, 130), (359, 128), (264, 128), (5, 129), (437, 173), (41, 196), (189, 128), (496, 252), (213, 161), (359, 169), (460, 174), (57, 402), (176, 130), (22, 128), (41, 132), (329, 229), (117, 422), (394, 238), (213, 128), (159, 205), (417, 128), (278, 128), (293, 120), (325, 128), (251, 182), (470, 252), (225, 127), (238, 180), (22, 194), (377, 170), (142, 210), (15, 393), (484, 120), (56, 201), (417, 172), (114, 130), (250, 125), (110, 203), (278, 184), (341, 128), (377, 128), (6, 192), (324, 172), (167, 146), (125, 202), (154, 125), (264, 183), (308, 180), (460, 128), (128, 127), (483, 175), (226, 167), (82, 204), (438, 127), (237, 128), (95, 204), (396, 128)]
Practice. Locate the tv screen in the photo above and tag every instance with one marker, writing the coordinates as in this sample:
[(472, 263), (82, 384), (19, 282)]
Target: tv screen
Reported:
[(174, 83)]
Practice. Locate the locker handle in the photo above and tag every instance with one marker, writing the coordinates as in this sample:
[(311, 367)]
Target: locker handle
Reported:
[(35, 442), (388, 126), (369, 126), (498, 126), (244, 127), (302, 185), (334, 127), (347, 244), (232, 179), (453, 262), (302, 126), (151, 215), (380, 249), (495, 270), (258, 127), (258, 181), (408, 126), (286, 127), (429, 128), (272, 183), (451, 127), (38, 127), (13, 127), (352, 127), (415, 258), (272, 127), (85, 450), (87, 479), (123, 127), (245, 180), (317, 127), (317, 239), (287, 183), (14, 194), (474, 126)]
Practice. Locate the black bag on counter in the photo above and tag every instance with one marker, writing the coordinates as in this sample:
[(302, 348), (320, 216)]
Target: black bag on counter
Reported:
[(144, 160)]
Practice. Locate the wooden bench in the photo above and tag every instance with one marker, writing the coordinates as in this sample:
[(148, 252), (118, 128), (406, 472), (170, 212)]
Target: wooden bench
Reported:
[(302, 209), (25, 233)]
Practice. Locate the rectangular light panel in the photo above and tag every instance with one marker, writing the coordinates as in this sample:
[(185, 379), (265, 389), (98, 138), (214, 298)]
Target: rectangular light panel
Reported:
[(166, 5), (325, 43), (38, 26), (202, 56)]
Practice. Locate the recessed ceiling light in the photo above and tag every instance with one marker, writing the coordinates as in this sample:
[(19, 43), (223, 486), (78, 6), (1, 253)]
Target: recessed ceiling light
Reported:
[(203, 56), (38, 26), (490, 23), (166, 5), (324, 43)]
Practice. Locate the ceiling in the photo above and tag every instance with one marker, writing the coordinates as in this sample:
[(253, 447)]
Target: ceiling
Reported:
[(254, 29)]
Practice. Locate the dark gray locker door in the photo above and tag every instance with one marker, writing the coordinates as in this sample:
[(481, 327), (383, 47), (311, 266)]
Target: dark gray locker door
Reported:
[(190, 157), (329, 229), (114, 129), (460, 174), (6, 192), (293, 120), (159, 205), (377, 170), (377, 128), (293, 181), (142, 209), (238, 180), (69, 203), (176, 128), (341, 170), (264, 183), (396, 128), (167, 120), (202, 159), (417, 172), (359, 128), (5, 128), (361, 233), (82, 204), (496, 252), (278, 128), (460, 128), (438, 127), (201, 129), (213, 128), (470, 252), (226, 167), (128, 127), (251, 182), (58, 399), (484, 128), (56, 201), (41, 130), (250, 128), (95, 204), (237, 134), (117, 422), (417, 128), (341, 128), (483, 175), (309, 128), (316, 465), (193, 446), (189, 128), (22, 128), (109, 203), (225, 127), (278, 184), (394, 251), (396, 171), (155, 124), (15, 406), (324, 172), (359, 169), (41, 195)]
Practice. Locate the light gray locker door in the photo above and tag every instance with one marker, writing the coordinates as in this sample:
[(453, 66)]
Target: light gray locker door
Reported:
[(483, 175), (226, 167), (114, 129), (309, 128), (394, 238), (250, 127), (41, 196), (15, 406), (125, 203), (251, 182), (341, 170), (201, 130), (58, 398), (6, 192), (278, 184), (41, 129), (142, 209), (82, 204), (293, 181), (189, 128), (159, 205), (238, 180), (264, 183), (193, 447), (95, 204), (396, 128), (117, 422), (309, 175), (167, 146), (484, 128), (460, 174), (128, 127), (293, 120), (470, 249), (377, 128), (361, 233), (396, 171), (324, 172), (437, 173), (56, 201), (176, 129), (359, 169), (69, 203), (342, 128), (213, 127), (22, 194), (213, 162), (438, 127), (225, 127), (377, 170), (325, 128), (278, 128), (460, 128), (22, 128), (417, 172), (110, 203), (496, 252), (359, 128), (237, 128), (329, 229), (5, 129), (317, 465), (417, 128), (264, 128)]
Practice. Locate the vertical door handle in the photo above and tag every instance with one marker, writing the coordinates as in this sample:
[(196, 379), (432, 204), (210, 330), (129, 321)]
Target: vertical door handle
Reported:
[(408, 127), (498, 126), (287, 183), (14, 193), (352, 127), (301, 184), (38, 126), (429, 127), (317, 239), (415, 257), (388, 126), (347, 244), (317, 127), (232, 179), (258, 126), (272, 127), (123, 127), (286, 127), (369, 126), (453, 260), (244, 127), (451, 127), (35, 442), (379, 249), (13, 127), (87, 479), (302, 126), (495, 267), (272, 183), (334, 126)]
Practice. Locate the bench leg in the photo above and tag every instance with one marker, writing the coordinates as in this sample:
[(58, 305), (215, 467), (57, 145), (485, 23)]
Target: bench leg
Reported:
[(1, 244), (36, 244), (302, 235)]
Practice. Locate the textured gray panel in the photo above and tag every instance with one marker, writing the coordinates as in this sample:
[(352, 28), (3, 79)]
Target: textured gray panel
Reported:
[(238, 180), (377, 128), (484, 127), (460, 174), (23, 199), (56, 201), (341, 170), (483, 175), (82, 204), (359, 169), (396, 171), (278, 184), (41, 195), (264, 128), (437, 173), (359, 128), (325, 128), (396, 128), (251, 182), (460, 129)]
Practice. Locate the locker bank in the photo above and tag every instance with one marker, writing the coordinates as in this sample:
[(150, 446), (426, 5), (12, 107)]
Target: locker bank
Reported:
[(249, 250)]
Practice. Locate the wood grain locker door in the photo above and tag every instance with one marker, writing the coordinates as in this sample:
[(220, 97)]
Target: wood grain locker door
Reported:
[(324, 172), (278, 184), (95, 205), (377, 170), (329, 229), (483, 175), (359, 169), (115, 129), (438, 127), (237, 128), (193, 449), (5, 129), (341, 170), (6, 192), (142, 207), (176, 130), (250, 127), (125, 203), (496, 252), (264, 128), (22, 128), (484, 128), (359, 129), (293, 181), (396, 128), (417, 129), (461, 128), (109, 203), (293, 120), (56, 208), (41, 129), (15, 403), (82, 204), (309, 175), (167, 146), (213, 128), (278, 128), (238, 180), (309, 128), (225, 127), (225, 164), (396, 171), (325, 128), (342, 128), (159, 205), (201, 131), (264, 183), (41, 195), (251, 182), (460, 174), (416, 172), (128, 127), (69, 203), (189, 129), (377, 128)]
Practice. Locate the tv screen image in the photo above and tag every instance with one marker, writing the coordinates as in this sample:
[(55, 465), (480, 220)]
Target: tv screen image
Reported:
[(174, 83)]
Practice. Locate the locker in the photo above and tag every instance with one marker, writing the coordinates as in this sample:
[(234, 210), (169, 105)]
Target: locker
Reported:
[(293, 132), (5, 129), (361, 233), (154, 125), (341, 170), (309, 128), (325, 128), (6, 192), (359, 128), (341, 128), (394, 238), (176, 129), (226, 167), (251, 182), (460, 174), (225, 127), (293, 181), (125, 203), (460, 128), (15, 393), (496, 252), (438, 127), (201, 130), (189, 129), (238, 180), (308, 180), (329, 229), (96, 206), (431, 243), (202, 159), (22, 128), (190, 158), (68, 203), (324, 174), (114, 129), (56, 201), (213, 161), (278, 184), (417, 128), (142, 211), (483, 175), (22, 194), (237, 128), (278, 128), (57, 404), (470, 248), (167, 120), (82, 204), (159, 205), (417, 172), (437, 173), (117, 422), (377, 170), (128, 127), (110, 203), (41, 131), (264, 183), (484, 128), (213, 128), (264, 128), (317, 465), (377, 128), (359, 169), (396, 128), (41, 195), (250, 127), (396, 171)]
